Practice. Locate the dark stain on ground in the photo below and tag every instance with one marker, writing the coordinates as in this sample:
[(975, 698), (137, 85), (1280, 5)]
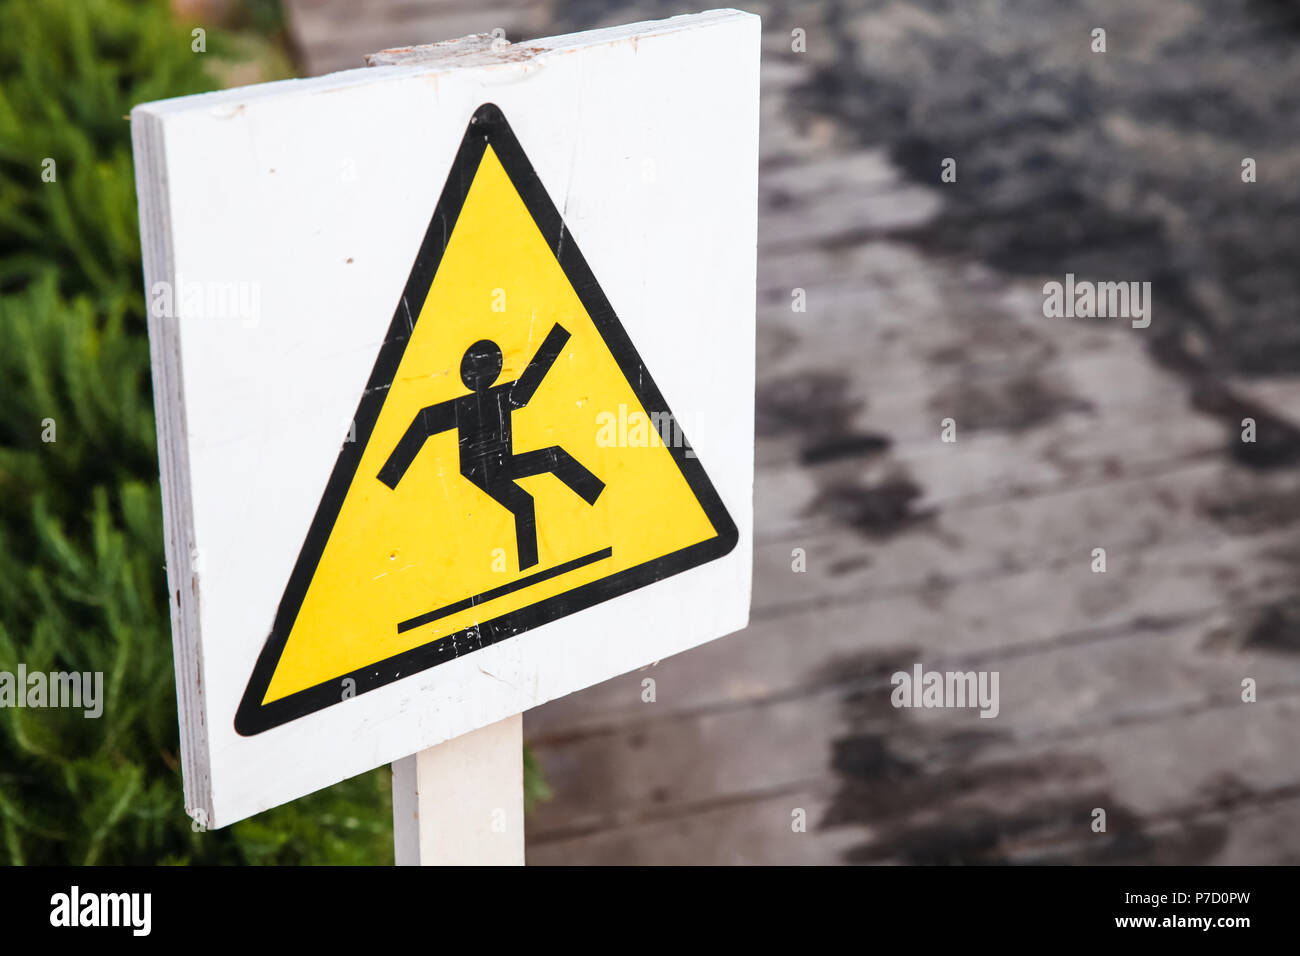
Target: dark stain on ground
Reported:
[(815, 409), (1253, 510), (918, 789), (848, 565), (1122, 166), (812, 403), (1273, 627), (835, 447), (1276, 627), (1013, 404), (1277, 441), (879, 510)]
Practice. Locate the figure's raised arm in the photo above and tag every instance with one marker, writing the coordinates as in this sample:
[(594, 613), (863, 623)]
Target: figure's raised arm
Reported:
[(430, 420), (547, 353)]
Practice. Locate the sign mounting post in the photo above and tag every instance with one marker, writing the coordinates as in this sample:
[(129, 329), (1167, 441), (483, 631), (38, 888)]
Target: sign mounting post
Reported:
[(462, 802)]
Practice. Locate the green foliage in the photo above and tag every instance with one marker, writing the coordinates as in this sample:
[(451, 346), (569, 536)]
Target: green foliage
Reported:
[(536, 789), (82, 582), (72, 70)]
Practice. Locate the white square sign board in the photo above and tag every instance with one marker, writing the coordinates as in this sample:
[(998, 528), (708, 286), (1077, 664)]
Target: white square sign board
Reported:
[(454, 374)]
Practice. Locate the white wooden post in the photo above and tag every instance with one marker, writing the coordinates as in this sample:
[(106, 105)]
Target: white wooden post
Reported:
[(461, 803)]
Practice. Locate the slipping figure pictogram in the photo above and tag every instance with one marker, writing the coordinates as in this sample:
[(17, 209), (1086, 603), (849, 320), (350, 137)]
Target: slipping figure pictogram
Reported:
[(487, 458)]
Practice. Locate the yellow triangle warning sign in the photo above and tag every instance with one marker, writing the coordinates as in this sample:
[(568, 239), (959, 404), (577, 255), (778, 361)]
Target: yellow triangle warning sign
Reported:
[(513, 461)]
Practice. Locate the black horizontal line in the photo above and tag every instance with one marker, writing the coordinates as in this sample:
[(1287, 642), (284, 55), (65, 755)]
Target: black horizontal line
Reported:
[(506, 589)]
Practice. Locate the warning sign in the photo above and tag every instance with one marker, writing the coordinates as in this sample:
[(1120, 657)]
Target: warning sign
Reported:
[(482, 491)]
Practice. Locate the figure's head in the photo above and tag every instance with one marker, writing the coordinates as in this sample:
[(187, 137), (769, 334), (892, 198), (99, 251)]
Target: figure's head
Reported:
[(481, 365)]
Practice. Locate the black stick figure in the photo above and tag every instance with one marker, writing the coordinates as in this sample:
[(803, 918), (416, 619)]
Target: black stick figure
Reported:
[(487, 456)]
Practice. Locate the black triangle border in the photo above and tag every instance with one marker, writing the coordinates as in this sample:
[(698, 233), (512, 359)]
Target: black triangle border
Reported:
[(486, 127)]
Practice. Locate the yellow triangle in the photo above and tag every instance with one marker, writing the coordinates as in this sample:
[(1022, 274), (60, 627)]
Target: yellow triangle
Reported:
[(434, 556)]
